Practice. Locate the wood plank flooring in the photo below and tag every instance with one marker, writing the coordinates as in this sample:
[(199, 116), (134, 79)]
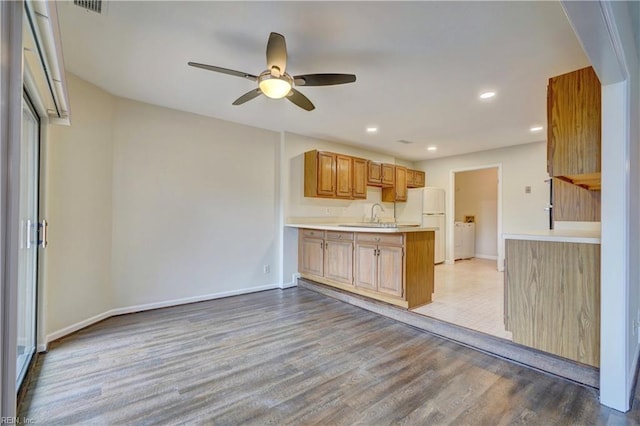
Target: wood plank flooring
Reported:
[(289, 357)]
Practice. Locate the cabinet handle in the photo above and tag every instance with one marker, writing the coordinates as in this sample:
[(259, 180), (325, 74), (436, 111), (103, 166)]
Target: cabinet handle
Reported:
[(321, 245), (339, 236), (377, 238)]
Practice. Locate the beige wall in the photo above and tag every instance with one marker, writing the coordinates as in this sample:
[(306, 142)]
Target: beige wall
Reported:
[(194, 205), (150, 206), (476, 194), (78, 171)]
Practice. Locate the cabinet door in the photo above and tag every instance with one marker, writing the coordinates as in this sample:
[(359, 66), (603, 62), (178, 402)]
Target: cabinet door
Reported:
[(574, 129), (338, 261), (366, 265), (312, 256), (388, 175), (326, 174), (359, 187), (419, 179), (374, 173), (390, 270), (401, 184), (344, 176)]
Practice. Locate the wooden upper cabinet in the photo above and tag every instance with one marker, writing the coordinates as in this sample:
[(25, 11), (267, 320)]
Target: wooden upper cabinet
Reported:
[(380, 174), (573, 124), (326, 174), (415, 179), (388, 175), (331, 175), (344, 176), (374, 173), (398, 192), (359, 186)]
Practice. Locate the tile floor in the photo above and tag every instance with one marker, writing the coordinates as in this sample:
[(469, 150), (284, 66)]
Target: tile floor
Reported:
[(469, 293)]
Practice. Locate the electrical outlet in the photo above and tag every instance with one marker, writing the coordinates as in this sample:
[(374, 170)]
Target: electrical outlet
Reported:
[(527, 189), (267, 269)]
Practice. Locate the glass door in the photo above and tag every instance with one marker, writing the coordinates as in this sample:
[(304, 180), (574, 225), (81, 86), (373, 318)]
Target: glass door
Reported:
[(28, 254)]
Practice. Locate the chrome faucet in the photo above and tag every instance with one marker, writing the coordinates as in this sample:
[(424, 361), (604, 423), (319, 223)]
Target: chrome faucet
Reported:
[(373, 208)]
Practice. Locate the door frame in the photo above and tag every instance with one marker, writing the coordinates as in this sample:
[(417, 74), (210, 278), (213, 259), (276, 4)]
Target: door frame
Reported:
[(451, 208)]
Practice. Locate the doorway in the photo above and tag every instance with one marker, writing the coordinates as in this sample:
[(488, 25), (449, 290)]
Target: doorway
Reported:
[(28, 243)]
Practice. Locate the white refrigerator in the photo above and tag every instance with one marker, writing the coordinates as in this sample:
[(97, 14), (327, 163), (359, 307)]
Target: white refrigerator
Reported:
[(426, 206)]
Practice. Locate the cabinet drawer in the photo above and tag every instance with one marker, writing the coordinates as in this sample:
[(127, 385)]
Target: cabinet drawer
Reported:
[(395, 239), (314, 233), (337, 235)]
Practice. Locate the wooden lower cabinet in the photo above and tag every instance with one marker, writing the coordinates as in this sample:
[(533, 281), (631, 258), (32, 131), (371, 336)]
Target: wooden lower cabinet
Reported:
[(393, 267), (338, 257), (311, 252), (391, 270), (552, 297)]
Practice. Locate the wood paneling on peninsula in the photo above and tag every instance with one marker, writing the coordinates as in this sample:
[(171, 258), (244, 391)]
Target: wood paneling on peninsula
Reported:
[(552, 297)]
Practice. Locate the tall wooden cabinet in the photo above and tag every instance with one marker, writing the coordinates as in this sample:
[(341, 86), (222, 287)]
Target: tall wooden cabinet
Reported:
[(574, 144)]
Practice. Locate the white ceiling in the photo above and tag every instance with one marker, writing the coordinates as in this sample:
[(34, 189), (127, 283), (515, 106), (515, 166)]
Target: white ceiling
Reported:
[(420, 66)]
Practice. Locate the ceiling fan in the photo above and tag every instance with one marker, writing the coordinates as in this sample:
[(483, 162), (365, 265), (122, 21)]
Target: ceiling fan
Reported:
[(274, 82)]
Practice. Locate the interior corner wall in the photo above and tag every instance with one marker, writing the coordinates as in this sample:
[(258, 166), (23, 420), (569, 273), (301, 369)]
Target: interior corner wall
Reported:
[(476, 194), (78, 169), (150, 207), (522, 165), (195, 208)]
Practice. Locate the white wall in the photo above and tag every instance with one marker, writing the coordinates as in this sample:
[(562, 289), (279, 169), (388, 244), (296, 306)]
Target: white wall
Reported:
[(194, 205), (148, 206), (522, 165), (476, 194), (77, 262)]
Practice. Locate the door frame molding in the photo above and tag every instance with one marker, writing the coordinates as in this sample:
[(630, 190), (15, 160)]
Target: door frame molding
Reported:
[(451, 210), (10, 132)]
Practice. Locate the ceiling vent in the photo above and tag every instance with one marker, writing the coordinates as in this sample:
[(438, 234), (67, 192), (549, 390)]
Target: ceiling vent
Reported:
[(404, 141), (92, 5)]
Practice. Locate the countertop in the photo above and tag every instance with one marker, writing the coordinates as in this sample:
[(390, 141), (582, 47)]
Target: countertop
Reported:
[(586, 236), (400, 229)]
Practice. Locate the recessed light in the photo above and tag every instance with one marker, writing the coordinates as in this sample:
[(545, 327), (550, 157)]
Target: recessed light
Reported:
[(432, 148), (535, 128), (487, 95), (372, 129)]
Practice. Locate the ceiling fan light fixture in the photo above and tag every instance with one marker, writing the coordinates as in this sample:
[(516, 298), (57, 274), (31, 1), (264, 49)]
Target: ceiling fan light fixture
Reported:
[(275, 87)]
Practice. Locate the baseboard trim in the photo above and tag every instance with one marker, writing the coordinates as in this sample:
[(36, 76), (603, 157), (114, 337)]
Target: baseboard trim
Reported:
[(149, 306), (501, 348), (293, 283), (486, 256)]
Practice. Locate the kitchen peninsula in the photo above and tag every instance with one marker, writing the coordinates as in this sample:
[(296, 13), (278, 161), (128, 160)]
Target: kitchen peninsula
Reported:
[(386, 262)]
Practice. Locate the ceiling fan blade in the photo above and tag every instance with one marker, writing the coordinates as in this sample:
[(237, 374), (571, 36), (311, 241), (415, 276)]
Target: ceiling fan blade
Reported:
[(323, 79), (277, 52), (247, 96), (301, 100), (223, 70)]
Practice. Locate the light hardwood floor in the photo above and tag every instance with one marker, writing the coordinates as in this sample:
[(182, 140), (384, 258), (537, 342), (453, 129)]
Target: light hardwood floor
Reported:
[(469, 293), (289, 357)]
